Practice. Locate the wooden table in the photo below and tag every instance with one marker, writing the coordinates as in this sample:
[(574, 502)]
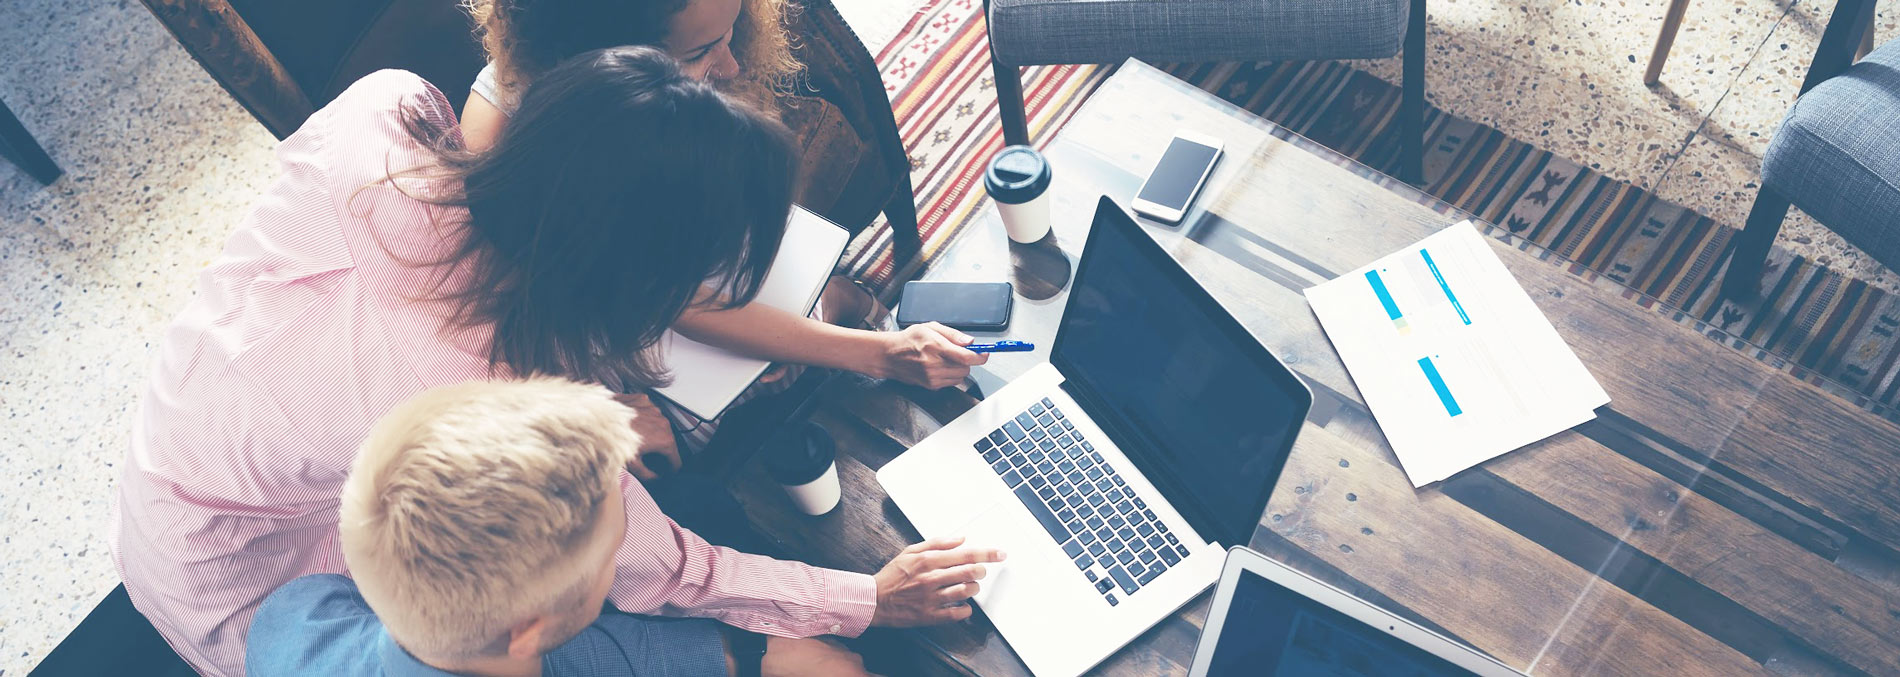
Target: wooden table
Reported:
[(1719, 517)]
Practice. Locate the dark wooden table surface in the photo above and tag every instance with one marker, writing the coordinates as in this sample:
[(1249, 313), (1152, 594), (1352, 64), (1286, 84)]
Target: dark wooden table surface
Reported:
[(1719, 517)]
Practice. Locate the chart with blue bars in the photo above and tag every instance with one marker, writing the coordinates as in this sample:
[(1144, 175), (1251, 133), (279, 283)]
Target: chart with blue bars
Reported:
[(1404, 327)]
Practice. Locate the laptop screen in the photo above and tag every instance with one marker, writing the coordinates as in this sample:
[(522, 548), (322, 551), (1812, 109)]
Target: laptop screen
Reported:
[(1212, 413), (1270, 630)]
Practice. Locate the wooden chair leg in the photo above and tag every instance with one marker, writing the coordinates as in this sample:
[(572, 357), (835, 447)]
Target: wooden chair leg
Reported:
[(1746, 260), (1866, 36), (1412, 100), (18, 146), (1672, 21), (1009, 95)]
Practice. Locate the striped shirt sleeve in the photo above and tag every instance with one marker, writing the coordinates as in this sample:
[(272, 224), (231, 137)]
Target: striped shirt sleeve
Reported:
[(663, 568)]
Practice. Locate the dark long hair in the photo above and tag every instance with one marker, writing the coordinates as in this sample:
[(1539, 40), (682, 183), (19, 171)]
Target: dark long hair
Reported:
[(619, 192)]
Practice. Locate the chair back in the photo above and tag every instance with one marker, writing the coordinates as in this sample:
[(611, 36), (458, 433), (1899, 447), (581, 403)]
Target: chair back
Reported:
[(283, 60), (843, 74)]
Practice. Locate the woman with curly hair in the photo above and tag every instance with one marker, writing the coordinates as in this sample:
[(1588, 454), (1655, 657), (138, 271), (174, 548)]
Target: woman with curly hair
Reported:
[(741, 45)]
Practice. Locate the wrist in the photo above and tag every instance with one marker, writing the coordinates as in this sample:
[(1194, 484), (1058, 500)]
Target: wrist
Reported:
[(870, 353)]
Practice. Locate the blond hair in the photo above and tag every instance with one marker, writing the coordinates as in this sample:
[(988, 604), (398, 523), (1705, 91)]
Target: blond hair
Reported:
[(471, 508), (761, 42)]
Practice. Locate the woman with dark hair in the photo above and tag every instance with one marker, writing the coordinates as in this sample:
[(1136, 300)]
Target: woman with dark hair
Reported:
[(387, 260), (743, 47)]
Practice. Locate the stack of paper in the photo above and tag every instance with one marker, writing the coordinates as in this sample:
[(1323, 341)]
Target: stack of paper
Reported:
[(1456, 362), (707, 379)]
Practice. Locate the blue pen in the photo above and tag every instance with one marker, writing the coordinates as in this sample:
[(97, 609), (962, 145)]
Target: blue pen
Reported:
[(1002, 347)]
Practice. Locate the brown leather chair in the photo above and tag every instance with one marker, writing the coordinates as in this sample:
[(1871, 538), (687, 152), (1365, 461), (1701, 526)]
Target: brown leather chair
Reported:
[(283, 60)]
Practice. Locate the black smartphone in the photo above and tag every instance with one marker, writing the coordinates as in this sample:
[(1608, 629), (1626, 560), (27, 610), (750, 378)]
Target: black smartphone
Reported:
[(969, 306)]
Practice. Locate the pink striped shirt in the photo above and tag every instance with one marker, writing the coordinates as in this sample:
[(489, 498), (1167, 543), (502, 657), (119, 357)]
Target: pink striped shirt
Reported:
[(304, 331)]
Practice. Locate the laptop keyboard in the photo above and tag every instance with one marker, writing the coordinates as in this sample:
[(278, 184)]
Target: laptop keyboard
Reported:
[(1111, 534)]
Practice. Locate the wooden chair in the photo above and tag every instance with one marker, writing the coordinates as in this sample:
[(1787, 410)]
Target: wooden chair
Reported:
[(1672, 22), (283, 60)]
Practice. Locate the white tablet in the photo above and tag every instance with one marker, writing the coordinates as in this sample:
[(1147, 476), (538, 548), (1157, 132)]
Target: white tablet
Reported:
[(1268, 619)]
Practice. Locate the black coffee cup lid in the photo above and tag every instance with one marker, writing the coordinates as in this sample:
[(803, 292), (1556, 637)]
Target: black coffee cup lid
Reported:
[(1016, 175), (801, 455)]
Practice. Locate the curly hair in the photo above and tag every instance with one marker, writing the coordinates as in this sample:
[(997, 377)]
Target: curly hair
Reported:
[(525, 38)]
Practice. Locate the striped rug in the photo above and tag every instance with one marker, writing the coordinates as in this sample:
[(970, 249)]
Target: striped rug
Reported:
[(1830, 330)]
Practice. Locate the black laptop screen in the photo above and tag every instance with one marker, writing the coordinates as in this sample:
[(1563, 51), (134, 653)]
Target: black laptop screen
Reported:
[(1212, 413), (1270, 630)]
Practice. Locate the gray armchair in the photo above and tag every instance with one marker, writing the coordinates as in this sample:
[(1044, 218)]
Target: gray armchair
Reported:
[(1032, 32), (1836, 155)]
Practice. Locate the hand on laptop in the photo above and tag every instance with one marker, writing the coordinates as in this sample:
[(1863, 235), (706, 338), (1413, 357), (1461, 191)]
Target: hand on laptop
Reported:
[(929, 355), (929, 582)]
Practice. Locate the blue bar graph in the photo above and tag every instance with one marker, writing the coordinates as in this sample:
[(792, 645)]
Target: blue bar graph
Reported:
[(1438, 385), (1385, 299), (1446, 287)]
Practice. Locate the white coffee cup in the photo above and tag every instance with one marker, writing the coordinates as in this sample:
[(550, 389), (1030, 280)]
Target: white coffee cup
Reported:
[(804, 462), (1018, 181), (818, 496)]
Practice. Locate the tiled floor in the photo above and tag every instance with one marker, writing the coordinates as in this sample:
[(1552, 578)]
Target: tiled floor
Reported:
[(161, 164)]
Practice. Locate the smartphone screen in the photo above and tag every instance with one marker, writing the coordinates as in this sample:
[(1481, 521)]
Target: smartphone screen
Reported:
[(970, 306), (1179, 171)]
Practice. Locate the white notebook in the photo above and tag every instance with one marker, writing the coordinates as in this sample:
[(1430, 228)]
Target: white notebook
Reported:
[(706, 379)]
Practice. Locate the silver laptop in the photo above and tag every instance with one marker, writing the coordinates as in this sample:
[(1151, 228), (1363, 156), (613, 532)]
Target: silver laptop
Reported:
[(1116, 474), (1269, 620)]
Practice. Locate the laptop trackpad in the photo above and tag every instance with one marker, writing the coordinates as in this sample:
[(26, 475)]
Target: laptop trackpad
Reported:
[(1031, 556)]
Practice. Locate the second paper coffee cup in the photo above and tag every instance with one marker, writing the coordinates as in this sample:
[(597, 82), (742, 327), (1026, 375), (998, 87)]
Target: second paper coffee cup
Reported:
[(804, 462), (1018, 181)]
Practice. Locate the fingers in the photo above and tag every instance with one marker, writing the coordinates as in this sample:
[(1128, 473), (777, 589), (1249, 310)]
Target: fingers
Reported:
[(955, 352), (954, 575), (957, 337), (938, 543), (672, 455), (958, 592), (966, 357), (639, 470), (954, 613), (946, 559)]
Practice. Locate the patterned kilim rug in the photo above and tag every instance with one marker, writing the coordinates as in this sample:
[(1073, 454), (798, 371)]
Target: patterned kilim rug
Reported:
[(1830, 330)]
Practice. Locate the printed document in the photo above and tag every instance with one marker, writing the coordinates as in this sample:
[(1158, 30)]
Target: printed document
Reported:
[(1453, 357), (707, 379)]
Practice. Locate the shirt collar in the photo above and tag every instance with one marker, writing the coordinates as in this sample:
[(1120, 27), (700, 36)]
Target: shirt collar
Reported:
[(398, 663)]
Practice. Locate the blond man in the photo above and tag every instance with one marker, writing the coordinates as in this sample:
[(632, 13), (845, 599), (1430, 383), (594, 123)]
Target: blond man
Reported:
[(479, 522)]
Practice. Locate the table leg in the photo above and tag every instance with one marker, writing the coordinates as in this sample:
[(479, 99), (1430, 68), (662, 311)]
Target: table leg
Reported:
[(17, 145), (1672, 21)]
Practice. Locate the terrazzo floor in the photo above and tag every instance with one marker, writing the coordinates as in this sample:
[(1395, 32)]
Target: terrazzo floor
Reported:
[(161, 163)]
